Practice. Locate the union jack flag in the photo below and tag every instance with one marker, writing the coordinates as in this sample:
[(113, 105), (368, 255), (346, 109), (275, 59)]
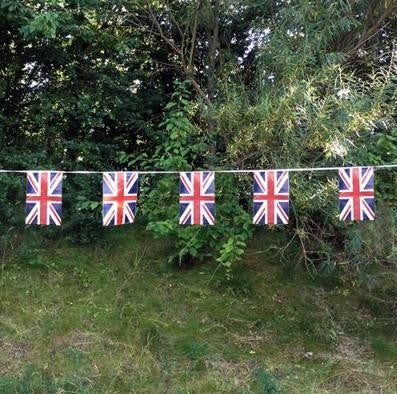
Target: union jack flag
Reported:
[(356, 193), (271, 197), (197, 198), (43, 197), (120, 195)]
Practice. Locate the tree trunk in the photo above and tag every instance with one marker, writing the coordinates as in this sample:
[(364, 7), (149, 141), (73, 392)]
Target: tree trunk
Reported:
[(213, 45)]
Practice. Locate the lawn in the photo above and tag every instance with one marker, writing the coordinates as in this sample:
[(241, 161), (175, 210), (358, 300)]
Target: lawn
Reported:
[(115, 318)]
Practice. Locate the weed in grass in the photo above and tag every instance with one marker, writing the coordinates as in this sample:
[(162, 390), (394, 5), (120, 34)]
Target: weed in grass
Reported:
[(264, 383), (326, 329), (326, 280), (32, 380), (152, 336), (384, 349), (195, 351), (240, 284)]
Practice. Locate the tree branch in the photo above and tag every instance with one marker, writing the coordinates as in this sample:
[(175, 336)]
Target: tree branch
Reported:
[(375, 28), (185, 59), (194, 32), (161, 33)]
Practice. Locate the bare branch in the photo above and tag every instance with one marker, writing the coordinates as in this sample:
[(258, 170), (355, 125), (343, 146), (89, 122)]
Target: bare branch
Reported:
[(389, 11), (176, 23), (193, 41), (186, 60), (161, 32)]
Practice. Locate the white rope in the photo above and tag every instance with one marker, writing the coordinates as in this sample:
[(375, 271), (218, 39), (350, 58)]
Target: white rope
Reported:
[(247, 171)]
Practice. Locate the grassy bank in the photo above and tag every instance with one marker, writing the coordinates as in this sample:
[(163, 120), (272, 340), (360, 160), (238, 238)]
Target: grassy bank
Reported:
[(116, 319)]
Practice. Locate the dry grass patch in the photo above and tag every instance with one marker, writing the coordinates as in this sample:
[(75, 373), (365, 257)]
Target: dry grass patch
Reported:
[(253, 340), (78, 340), (12, 354), (239, 374), (353, 379)]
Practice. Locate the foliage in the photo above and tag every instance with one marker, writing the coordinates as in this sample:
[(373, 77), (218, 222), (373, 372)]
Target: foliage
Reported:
[(265, 383), (70, 92), (180, 147), (311, 108), (178, 85)]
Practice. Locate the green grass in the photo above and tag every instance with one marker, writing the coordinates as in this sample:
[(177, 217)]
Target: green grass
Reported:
[(116, 319)]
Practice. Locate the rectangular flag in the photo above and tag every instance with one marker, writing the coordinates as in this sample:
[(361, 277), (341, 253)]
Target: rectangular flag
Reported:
[(43, 197), (197, 197), (356, 193), (120, 195), (271, 197)]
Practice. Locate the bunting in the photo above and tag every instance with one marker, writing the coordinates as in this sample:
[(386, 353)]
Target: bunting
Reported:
[(197, 195)]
